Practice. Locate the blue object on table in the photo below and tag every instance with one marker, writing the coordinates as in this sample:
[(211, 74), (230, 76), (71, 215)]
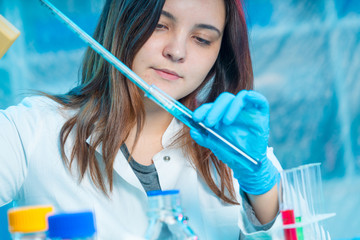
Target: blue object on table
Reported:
[(4, 232)]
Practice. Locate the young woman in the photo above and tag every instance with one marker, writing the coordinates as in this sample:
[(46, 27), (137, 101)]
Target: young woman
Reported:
[(103, 145)]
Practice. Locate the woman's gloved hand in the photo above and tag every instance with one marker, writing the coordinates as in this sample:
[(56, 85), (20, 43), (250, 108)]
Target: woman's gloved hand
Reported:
[(244, 121)]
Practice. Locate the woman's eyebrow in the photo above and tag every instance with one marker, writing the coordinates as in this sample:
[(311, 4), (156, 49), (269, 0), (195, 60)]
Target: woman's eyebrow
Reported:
[(210, 27), (203, 26), (168, 15)]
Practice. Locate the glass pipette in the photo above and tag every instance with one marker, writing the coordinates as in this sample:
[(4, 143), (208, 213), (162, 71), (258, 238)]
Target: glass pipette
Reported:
[(174, 107)]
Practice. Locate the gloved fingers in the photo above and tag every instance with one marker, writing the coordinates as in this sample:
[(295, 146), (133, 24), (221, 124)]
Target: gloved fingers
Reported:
[(250, 101), (211, 113), (200, 113), (235, 108), (199, 138), (219, 108), (258, 112), (208, 142), (250, 110), (258, 101), (232, 159)]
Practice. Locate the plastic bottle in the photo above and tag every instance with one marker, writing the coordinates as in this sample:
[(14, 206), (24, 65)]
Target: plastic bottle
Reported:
[(29, 223), (79, 226), (166, 219)]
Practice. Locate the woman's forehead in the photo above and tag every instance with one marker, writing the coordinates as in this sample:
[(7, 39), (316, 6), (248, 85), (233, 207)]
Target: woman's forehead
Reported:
[(198, 11)]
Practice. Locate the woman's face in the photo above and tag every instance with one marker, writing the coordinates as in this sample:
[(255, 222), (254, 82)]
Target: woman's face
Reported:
[(184, 46)]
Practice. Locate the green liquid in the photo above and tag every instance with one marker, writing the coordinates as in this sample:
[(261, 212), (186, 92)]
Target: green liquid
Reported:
[(299, 230)]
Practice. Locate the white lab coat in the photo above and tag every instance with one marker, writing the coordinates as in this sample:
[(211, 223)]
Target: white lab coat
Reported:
[(32, 173)]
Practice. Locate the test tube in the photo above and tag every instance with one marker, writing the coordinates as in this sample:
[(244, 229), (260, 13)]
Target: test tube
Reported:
[(287, 203), (301, 195)]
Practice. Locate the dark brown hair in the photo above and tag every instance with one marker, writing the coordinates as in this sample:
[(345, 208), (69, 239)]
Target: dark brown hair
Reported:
[(110, 105)]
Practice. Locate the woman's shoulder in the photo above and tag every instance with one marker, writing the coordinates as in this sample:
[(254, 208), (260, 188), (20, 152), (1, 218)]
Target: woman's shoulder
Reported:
[(34, 122), (35, 102), (36, 109)]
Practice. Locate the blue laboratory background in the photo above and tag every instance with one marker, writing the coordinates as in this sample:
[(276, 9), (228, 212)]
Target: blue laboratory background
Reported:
[(306, 57)]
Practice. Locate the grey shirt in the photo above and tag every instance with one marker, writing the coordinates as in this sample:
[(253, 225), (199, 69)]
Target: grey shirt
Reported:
[(147, 175)]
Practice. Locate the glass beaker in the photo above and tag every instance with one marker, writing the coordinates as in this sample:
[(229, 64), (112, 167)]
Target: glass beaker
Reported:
[(301, 202), (166, 219)]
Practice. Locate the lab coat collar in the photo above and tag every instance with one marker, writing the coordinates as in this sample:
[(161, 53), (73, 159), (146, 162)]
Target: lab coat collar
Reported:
[(171, 132), (121, 164), (168, 137)]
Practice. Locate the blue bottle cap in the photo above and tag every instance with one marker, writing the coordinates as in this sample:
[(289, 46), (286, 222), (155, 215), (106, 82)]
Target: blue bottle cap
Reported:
[(71, 225), (159, 192)]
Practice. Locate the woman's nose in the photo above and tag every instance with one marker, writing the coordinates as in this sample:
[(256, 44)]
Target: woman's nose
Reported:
[(175, 49)]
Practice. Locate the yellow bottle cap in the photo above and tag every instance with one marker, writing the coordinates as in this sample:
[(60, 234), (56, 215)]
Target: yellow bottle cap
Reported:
[(29, 219)]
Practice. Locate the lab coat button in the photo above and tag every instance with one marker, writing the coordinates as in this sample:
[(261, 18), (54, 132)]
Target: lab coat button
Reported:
[(166, 158)]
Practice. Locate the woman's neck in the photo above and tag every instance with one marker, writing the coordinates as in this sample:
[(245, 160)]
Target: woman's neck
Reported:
[(149, 142), (156, 118)]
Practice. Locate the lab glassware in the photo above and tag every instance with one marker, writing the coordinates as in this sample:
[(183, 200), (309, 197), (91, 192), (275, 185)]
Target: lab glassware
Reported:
[(166, 218), (301, 203), (29, 223)]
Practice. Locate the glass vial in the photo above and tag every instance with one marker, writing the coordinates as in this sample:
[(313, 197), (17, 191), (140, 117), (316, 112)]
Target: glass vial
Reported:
[(29, 223), (166, 219)]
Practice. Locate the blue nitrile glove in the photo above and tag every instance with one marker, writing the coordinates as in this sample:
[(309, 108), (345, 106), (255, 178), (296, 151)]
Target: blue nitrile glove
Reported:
[(244, 121)]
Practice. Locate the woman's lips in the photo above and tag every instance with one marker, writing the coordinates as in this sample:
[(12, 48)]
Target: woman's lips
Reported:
[(167, 74)]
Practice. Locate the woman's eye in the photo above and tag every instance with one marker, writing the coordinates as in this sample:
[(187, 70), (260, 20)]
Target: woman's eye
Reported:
[(160, 26), (202, 41)]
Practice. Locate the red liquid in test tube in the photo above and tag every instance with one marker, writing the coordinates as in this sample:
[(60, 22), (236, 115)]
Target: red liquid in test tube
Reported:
[(288, 217)]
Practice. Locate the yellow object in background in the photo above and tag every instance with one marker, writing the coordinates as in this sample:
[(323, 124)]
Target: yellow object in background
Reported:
[(29, 219), (8, 35)]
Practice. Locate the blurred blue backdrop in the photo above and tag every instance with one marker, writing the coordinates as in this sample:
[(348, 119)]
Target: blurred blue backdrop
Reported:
[(306, 57)]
